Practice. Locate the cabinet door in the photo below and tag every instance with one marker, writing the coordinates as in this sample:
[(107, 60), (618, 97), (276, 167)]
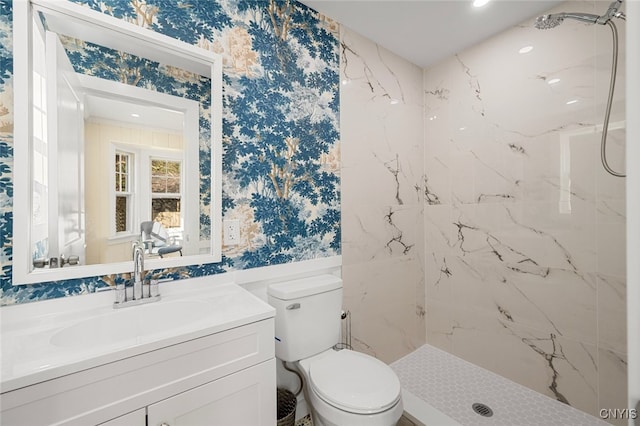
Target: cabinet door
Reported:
[(136, 418), (245, 398)]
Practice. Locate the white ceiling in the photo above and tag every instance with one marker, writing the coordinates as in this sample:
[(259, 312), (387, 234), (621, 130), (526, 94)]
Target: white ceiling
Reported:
[(427, 31), (100, 108)]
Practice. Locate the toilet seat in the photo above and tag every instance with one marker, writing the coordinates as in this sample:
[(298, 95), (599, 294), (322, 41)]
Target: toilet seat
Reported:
[(354, 382)]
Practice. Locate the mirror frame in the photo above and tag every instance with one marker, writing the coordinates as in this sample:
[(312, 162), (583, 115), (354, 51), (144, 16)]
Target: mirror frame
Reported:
[(120, 35)]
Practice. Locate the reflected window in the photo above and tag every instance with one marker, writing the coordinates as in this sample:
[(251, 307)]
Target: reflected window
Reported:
[(166, 197), (123, 193)]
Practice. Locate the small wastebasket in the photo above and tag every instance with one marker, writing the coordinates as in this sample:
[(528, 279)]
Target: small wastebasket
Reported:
[(286, 408)]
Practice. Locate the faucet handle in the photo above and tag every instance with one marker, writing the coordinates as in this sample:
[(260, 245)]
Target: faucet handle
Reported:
[(134, 246), (154, 288), (121, 293)]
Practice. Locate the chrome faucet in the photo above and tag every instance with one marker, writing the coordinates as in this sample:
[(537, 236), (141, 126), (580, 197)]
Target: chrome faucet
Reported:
[(138, 270), (143, 292)]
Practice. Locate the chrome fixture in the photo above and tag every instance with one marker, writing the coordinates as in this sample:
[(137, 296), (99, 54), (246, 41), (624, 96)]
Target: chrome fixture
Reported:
[(54, 262), (69, 260), (138, 269), (546, 22), (142, 292)]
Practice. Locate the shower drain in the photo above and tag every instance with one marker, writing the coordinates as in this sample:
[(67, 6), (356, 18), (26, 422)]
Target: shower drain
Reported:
[(482, 409)]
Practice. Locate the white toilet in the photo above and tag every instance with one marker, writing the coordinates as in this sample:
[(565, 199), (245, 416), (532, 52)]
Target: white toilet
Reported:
[(343, 388)]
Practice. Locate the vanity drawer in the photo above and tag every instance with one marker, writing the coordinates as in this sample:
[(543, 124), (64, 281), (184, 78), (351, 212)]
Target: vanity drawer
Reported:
[(102, 393)]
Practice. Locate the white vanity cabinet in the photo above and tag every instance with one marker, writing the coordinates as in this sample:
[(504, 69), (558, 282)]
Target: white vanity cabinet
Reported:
[(242, 398), (223, 377), (238, 399), (138, 417)]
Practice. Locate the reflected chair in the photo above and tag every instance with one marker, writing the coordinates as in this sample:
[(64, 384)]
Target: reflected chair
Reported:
[(156, 239)]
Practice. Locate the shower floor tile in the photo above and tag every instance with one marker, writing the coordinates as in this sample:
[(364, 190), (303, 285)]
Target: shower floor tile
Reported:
[(451, 386)]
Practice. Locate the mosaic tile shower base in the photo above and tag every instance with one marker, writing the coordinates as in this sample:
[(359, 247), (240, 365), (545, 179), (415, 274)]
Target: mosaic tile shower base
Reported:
[(452, 386)]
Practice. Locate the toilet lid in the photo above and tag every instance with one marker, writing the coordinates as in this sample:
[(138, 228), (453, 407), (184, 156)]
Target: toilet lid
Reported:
[(354, 382)]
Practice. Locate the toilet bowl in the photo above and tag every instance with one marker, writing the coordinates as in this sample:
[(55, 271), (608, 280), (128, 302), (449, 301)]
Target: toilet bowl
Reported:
[(343, 388), (350, 388)]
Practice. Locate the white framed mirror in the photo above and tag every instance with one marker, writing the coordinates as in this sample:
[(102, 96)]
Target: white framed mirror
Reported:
[(100, 163)]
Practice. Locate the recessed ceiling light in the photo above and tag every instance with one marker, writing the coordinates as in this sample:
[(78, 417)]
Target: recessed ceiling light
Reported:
[(394, 102), (135, 115), (480, 3), (553, 81), (526, 49), (572, 101)]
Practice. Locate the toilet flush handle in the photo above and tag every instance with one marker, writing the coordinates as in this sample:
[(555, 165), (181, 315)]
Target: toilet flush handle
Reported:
[(293, 306)]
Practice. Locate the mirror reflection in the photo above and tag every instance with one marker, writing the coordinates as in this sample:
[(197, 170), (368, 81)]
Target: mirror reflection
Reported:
[(106, 164), (134, 178), (121, 149)]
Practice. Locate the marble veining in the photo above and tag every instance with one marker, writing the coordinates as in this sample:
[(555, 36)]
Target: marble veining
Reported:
[(474, 86), (382, 204), (397, 237), (524, 231)]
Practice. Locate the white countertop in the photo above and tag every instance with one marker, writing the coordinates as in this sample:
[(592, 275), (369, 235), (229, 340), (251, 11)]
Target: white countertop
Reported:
[(28, 355)]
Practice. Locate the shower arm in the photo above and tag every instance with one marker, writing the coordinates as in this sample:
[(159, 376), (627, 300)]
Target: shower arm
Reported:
[(612, 12)]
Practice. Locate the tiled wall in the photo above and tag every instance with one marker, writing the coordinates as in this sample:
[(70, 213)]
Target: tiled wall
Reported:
[(524, 231), (281, 165), (382, 174)]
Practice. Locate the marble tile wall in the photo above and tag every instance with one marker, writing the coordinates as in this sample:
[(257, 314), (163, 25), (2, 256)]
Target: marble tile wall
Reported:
[(524, 230), (381, 116)]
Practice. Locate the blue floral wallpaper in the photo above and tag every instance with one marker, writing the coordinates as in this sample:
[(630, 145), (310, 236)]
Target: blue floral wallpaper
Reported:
[(281, 158)]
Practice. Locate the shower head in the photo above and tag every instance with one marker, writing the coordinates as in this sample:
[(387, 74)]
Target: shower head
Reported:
[(546, 22)]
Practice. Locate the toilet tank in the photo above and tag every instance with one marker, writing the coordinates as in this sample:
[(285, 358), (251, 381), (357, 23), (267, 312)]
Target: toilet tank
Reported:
[(307, 315)]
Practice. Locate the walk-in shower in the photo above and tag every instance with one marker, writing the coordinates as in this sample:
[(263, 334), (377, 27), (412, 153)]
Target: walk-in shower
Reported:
[(551, 21)]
